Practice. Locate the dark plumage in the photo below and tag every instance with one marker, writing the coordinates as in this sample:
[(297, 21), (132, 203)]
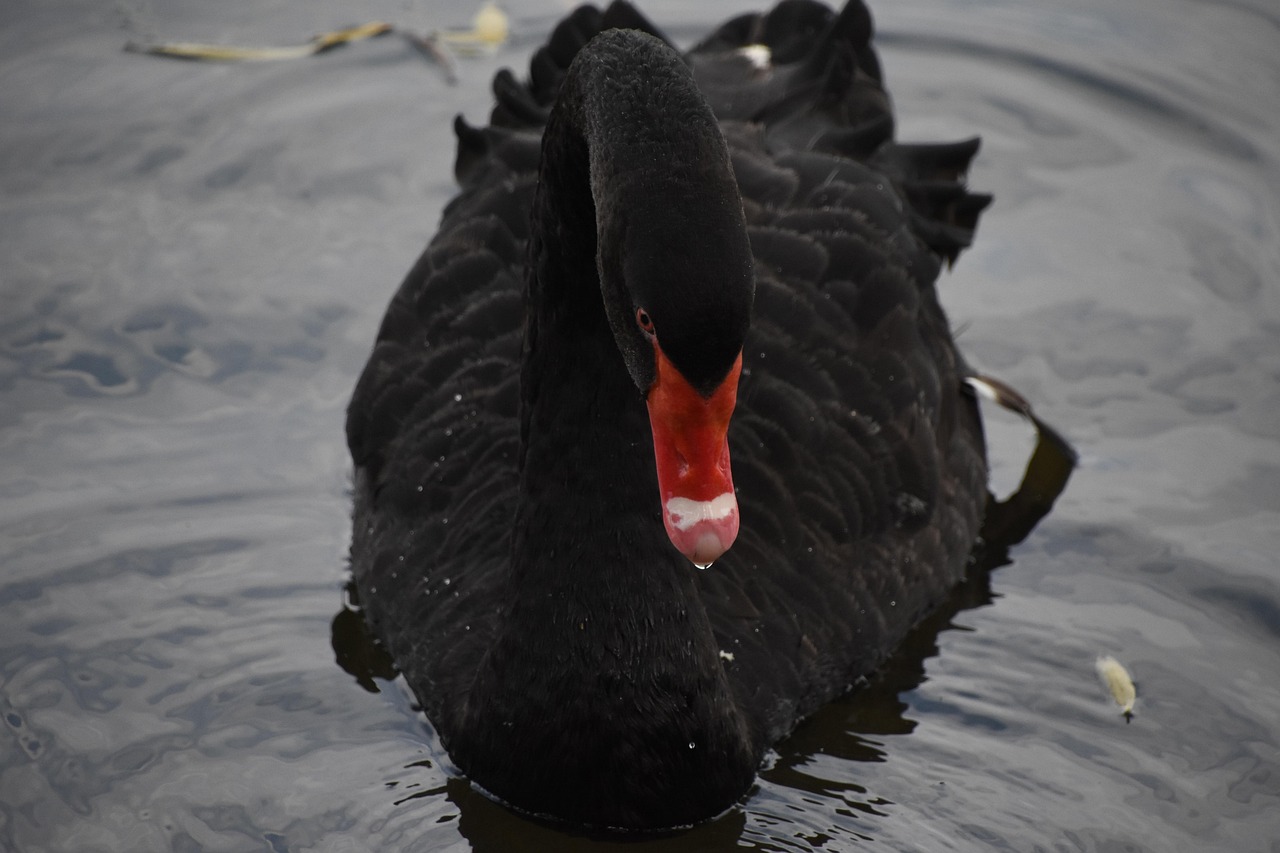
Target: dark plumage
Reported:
[(509, 543)]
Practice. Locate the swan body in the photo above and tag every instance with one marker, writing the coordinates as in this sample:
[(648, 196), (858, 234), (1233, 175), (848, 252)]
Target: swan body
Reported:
[(682, 310)]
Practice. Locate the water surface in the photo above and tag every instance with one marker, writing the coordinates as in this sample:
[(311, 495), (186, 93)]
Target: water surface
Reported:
[(193, 261)]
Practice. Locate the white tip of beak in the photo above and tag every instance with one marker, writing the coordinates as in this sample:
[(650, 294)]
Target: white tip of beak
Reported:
[(702, 530)]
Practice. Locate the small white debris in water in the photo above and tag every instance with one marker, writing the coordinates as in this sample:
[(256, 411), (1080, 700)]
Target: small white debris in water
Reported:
[(489, 30), (1117, 680), (726, 656), (490, 24), (758, 55), (457, 398), (692, 745)]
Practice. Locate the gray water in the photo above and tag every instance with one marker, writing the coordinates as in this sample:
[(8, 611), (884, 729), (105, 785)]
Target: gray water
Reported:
[(193, 261)]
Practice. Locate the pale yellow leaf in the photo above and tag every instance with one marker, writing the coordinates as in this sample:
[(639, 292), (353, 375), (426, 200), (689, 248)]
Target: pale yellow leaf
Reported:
[(1117, 680), (489, 30)]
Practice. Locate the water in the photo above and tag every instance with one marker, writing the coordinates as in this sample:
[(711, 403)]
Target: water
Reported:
[(195, 258)]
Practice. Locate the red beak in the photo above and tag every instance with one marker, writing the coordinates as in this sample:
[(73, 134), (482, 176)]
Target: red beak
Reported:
[(691, 447)]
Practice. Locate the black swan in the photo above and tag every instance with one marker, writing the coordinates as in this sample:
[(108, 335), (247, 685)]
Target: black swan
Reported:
[(682, 312)]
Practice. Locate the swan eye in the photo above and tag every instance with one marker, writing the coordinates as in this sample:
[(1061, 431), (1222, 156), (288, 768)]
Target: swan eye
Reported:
[(644, 321)]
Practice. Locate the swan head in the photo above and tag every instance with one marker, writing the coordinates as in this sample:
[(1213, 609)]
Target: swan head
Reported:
[(684, 351)]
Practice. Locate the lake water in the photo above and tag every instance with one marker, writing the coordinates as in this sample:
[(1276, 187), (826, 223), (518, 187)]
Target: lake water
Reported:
[(193, 261)]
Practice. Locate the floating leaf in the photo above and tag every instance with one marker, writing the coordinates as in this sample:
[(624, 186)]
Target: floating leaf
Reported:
[(230, 53), (489, 29), (1117, 680)]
